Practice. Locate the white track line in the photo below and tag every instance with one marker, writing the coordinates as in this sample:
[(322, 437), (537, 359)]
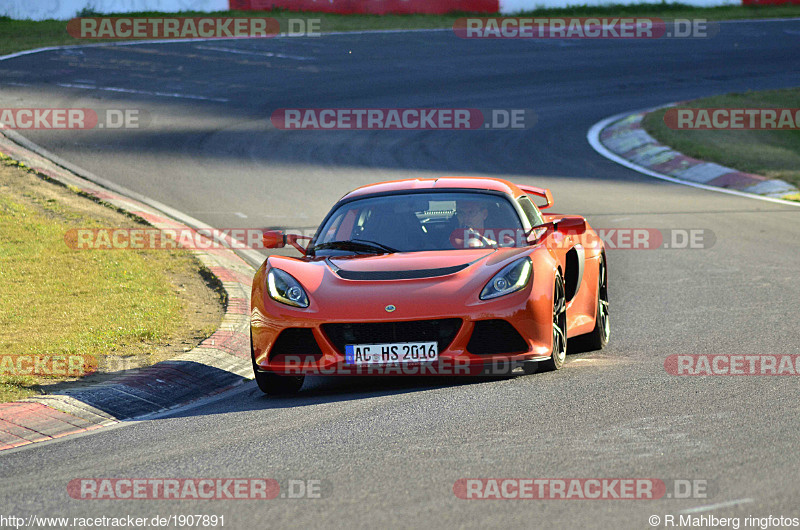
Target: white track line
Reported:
[(248, 52), (710, 507), (144, 92), (593, 136)]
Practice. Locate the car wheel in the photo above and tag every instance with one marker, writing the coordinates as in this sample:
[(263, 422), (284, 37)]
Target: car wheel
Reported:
[(274, 384), (559, 351), (598, 338)]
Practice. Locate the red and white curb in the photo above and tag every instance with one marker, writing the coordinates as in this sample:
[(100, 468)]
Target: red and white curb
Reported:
[(220, 362), (622, 139)]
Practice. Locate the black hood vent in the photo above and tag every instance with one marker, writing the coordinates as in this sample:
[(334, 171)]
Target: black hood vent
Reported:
[(398, 275)]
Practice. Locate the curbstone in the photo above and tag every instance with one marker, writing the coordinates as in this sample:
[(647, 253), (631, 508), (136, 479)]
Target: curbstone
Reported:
[(624, 137)]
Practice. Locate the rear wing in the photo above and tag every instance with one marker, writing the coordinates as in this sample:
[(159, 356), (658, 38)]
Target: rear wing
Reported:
[(539, 192)]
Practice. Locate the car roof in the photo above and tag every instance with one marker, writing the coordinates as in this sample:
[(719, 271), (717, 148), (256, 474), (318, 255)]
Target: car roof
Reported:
[(473, 183)]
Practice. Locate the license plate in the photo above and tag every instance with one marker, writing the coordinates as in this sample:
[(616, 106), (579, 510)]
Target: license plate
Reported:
[(392, 352)]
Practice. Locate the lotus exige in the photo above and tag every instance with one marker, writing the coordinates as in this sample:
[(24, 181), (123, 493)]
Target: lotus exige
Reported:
[(429, 276)]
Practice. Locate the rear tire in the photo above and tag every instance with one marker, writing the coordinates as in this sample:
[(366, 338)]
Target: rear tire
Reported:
[(274, 384), (598, 338), (559, 351)]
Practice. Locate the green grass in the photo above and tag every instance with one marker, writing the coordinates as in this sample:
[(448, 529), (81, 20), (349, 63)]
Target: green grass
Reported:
[(55, 300), (17, 35), (775, 154)]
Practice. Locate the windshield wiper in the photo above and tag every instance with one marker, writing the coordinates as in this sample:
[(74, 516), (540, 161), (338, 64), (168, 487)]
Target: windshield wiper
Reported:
[(356, 245), (387, 248)]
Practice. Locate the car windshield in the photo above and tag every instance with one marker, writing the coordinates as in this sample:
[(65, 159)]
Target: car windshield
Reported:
[(420, 221)]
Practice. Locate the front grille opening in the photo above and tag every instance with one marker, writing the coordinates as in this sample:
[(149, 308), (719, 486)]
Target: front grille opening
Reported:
[(443, 331), (297, 343), (495, 336)]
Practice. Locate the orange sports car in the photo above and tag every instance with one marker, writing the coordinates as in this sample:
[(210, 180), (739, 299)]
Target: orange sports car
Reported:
[(444, 276)]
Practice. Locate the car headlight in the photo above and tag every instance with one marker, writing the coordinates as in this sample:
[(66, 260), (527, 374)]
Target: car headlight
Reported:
[(283, 288), (510, 279)]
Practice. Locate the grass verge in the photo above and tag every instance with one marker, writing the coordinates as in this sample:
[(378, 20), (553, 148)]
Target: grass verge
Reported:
[(18, 35), (125, 309), (774, 154)]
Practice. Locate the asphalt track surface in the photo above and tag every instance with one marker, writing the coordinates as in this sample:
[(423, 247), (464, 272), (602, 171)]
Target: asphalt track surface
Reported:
[(389, 451)]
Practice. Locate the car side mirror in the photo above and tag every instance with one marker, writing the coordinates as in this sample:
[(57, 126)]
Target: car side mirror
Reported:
[(274, 239), (571, 225), (279, 239), (568, 225)]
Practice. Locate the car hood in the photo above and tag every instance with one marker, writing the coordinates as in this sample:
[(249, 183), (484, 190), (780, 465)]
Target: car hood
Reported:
[(420, 284)]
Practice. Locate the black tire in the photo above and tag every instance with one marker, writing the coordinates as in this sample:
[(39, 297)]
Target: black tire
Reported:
[(598, 338), (559, 351), (530, 367), (274, 384)]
